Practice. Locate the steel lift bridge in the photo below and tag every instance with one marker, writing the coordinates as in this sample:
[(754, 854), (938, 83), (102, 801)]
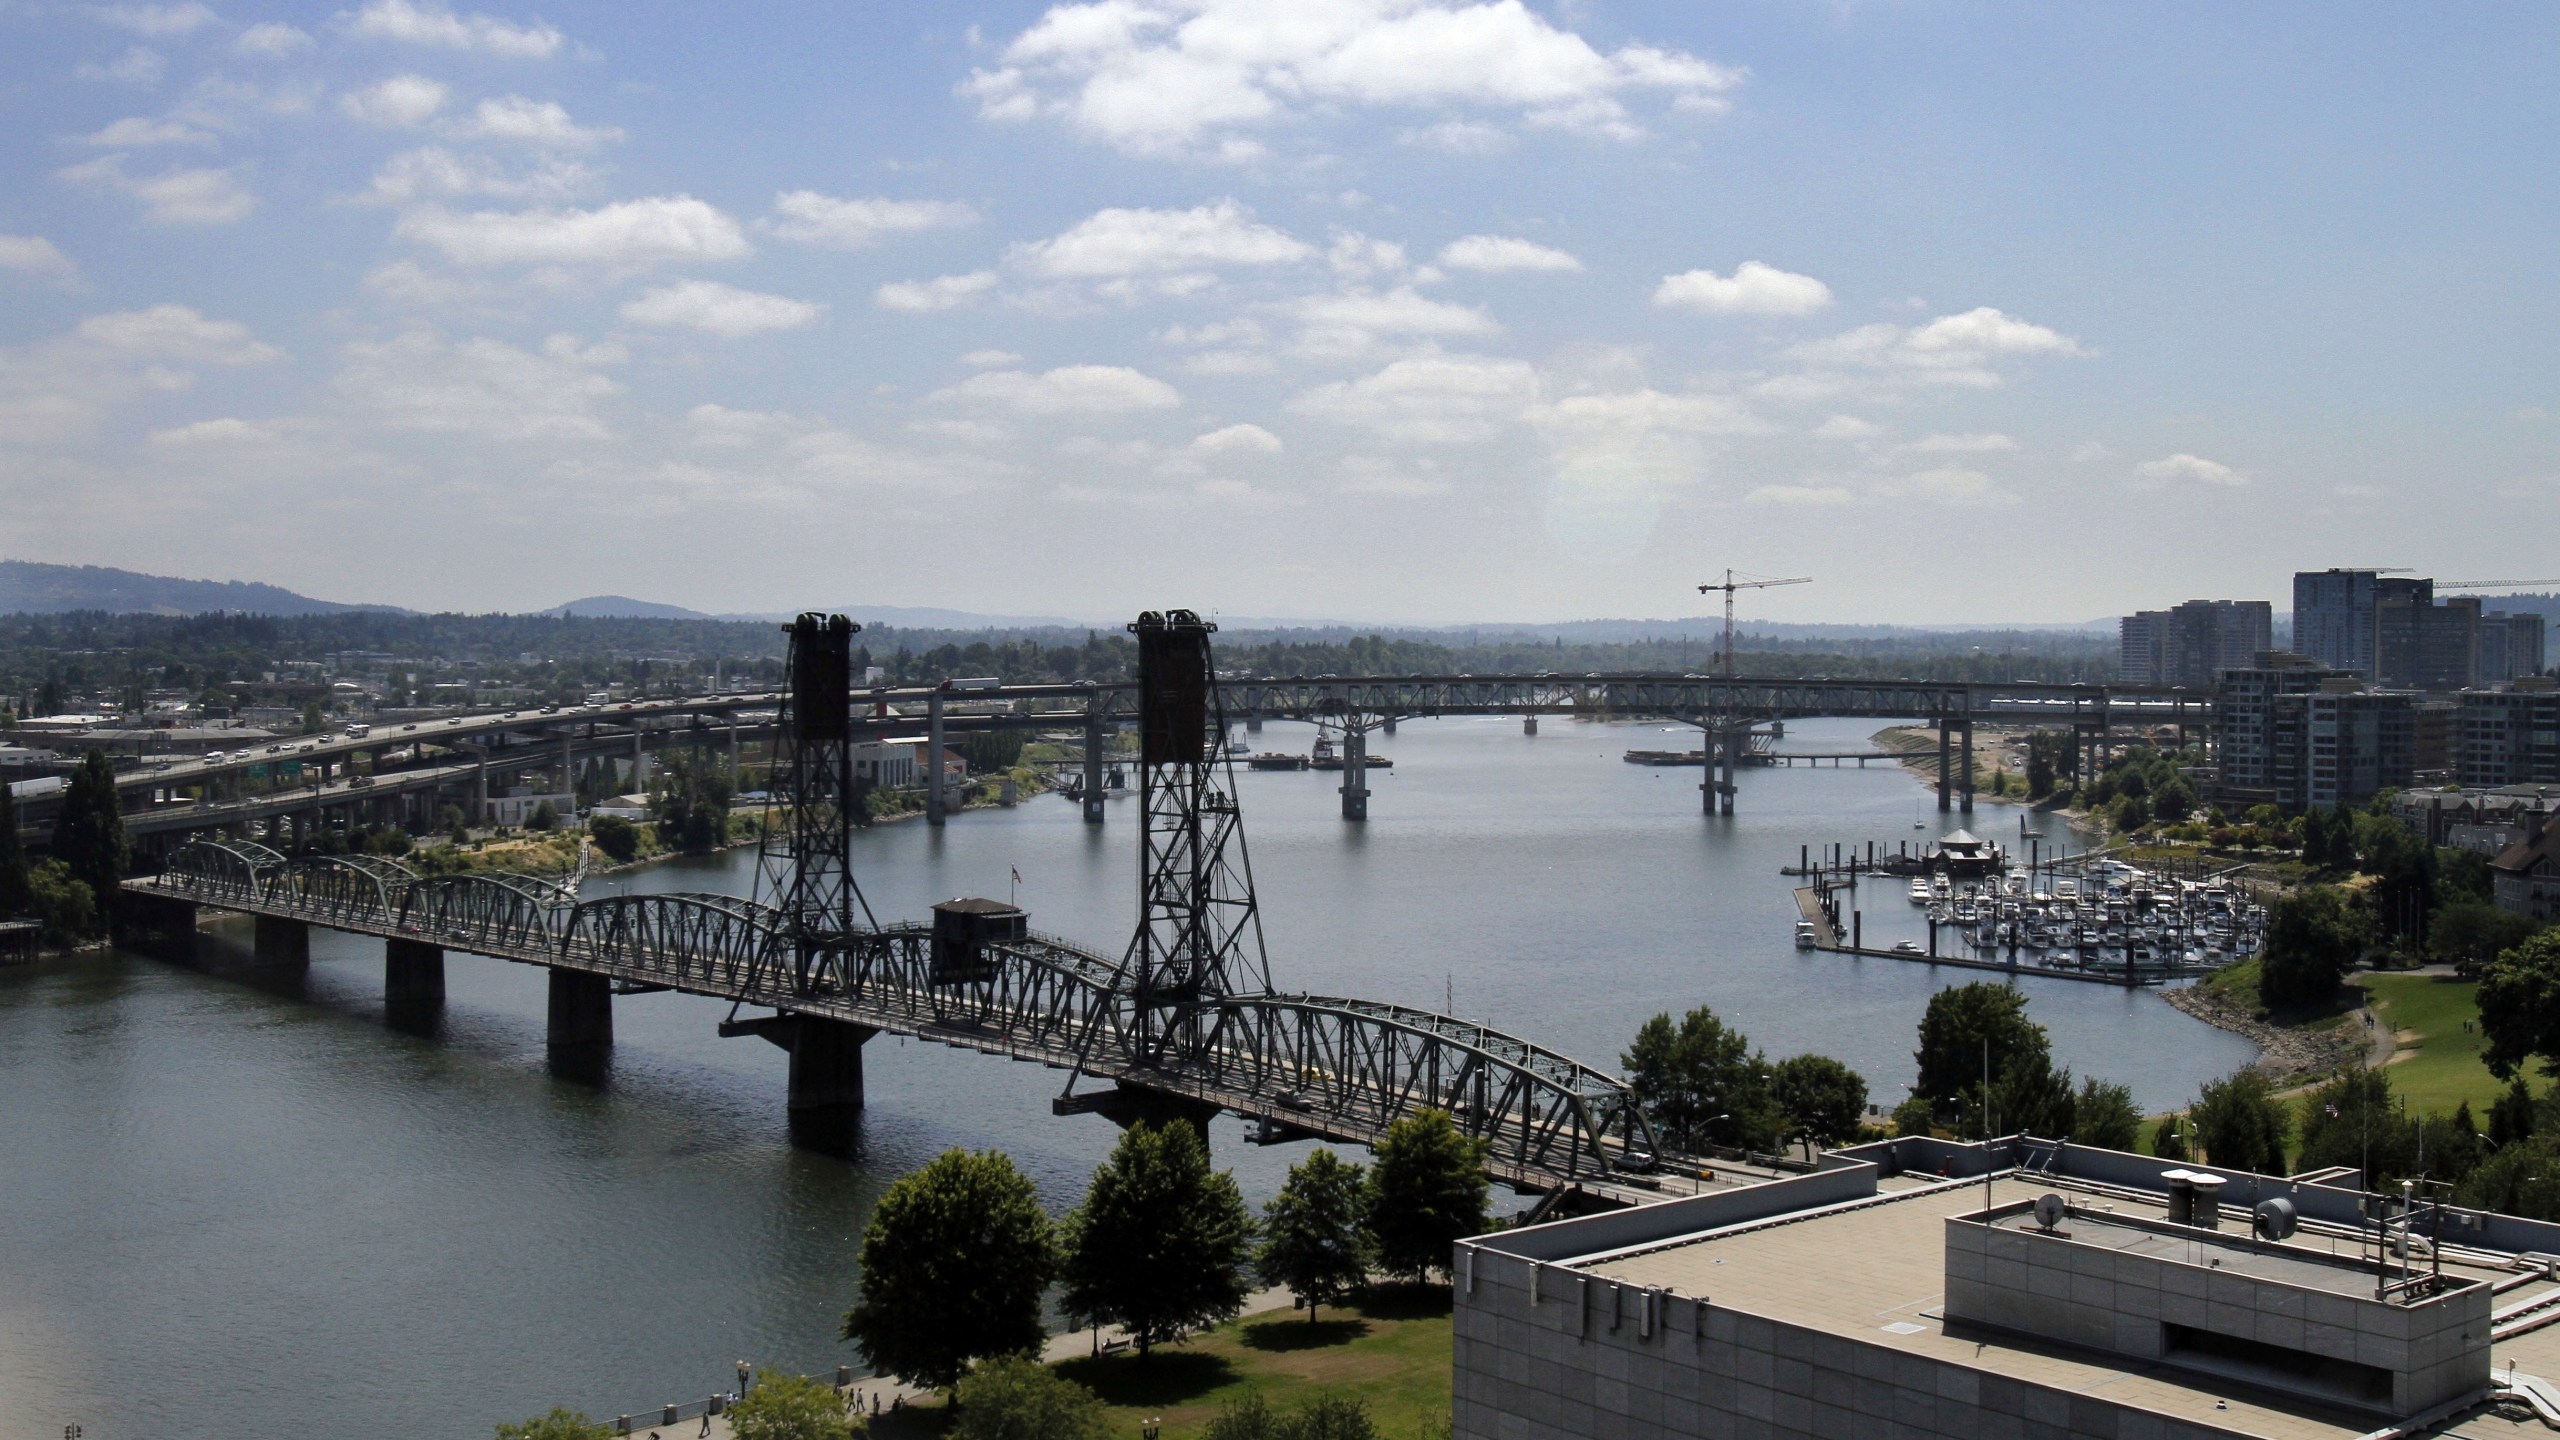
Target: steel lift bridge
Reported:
[(1182, 1024)]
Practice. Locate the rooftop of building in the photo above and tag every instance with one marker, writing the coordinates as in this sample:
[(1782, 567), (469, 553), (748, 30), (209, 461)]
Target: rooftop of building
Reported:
[(1873, 1268)]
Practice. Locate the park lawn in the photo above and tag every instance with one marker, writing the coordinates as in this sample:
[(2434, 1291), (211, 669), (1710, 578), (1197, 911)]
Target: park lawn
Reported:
[(1392, 1351), (2445, 1068)]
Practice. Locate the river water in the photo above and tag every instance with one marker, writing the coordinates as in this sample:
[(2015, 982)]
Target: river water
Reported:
[(232, 1197)]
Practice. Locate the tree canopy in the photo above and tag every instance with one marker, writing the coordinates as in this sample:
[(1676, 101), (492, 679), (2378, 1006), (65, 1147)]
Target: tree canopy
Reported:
[(1017, 1398), (954, 1264), (88, 832), (2240, 1125), (15, 897), (1313, 1241), (1162, 1243), (558, 1425), (1824, 1101), (781, 1406), (1952, 1033), (2520, 1005), (1426, 1192), (1701, 1084), (2313, 935)]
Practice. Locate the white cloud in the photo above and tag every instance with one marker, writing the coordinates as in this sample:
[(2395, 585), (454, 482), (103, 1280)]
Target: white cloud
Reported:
[(156, 20), (135, 132), (541, 123), (1632, 412), (1952, 486), (403, 102), (941, 293), (225, 431), (138, 65), (626, 234), (721, 425), (1176, 76), (1134, 242), (177, 332), (723, 310), (273, 39), (1408, 479), (35, 255), (479, 387), (175, 197), (806, 217), (1355, 256), (1459, 137), (1068, 390), (1237, 440), (436, 26), (1950, 350), (1497, 254), (1961, 444), (1799, 496), (1752, 289), (2195, 468), (1347, 323), (1429, 399), (983, 359), (435, 173), (1846, 427)]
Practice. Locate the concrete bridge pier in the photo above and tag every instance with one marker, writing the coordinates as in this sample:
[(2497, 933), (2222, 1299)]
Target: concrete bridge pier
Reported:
[(1093, 809), (1946, 769), (826, 1064), (1355, 771), (581, 1020), (933, 760), (1528, 724), (1388, 724), (166, 928), (282, 941), (1967, 734), (412, 972), (1253, 724)]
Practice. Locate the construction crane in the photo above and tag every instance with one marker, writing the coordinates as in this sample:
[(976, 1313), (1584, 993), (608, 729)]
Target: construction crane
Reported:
[(1731, 582), (2488, 584)]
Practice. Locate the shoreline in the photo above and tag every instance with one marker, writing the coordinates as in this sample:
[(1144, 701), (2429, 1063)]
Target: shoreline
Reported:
[(2286, 1054)]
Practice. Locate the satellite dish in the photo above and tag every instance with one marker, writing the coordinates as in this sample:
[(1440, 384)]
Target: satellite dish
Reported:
[(2050, 1209), (2276, 1219)]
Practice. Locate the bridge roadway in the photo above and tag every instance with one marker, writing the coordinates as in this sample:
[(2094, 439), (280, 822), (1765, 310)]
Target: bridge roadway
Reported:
[(1301, 1065)]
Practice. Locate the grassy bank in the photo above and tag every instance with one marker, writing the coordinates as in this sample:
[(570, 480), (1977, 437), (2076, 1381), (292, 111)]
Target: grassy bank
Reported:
[(1392, 1352), (2437, 1065)]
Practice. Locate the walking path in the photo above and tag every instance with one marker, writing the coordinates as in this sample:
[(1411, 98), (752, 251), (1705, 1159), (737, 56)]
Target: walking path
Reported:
[(871, 1391)]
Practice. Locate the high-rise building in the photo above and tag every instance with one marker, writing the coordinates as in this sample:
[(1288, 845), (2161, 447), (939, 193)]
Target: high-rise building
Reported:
[(2192, 643), (2295, 733), (2510, 647), (2256, 738), (2425, 644), (2511, 736), (2334, 614)]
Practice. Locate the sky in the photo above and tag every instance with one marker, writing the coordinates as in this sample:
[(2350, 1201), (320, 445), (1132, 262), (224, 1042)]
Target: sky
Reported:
[(1379, 310)]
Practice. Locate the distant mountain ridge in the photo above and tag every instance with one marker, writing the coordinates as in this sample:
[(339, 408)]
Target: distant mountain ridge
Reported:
[(29, 587)]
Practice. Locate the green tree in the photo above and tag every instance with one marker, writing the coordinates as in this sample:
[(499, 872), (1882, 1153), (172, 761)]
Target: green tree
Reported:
[(1427, 1192), (2168, 1139), (2313, 935), (313, 722), (88, 833), (1312, 1242), (2520, 1005), (558, 1425), (1162, 1243), (690, 802), (2511, 1119), (1824, 1101), (1700, 1083), (1017, 1398), (2472, 932), (780, 1406), (954, 1264), (2523, 1179), (2103, 1114), (1953, 1031), (618, 838), (2240, 1125), (15, 896), (544, 817), (1915, 1116), (60, 903)]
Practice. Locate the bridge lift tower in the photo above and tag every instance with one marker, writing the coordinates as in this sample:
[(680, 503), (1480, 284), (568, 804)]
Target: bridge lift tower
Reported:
[(1728, 734)]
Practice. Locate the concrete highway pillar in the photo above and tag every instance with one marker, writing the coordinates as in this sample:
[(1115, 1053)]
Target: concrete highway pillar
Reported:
[(1968, 764), (1734, 739), (933, 759), (1946, 769), (569, 777), (1355, 770), (1093, 764), (1388, 725), (581, 1012), (412, 972), (1253, 724), (480, 792), (826, 1063), (733, 749), (282, 941), (1528, 724)]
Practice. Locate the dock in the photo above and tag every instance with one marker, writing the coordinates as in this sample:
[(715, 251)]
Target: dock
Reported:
[(1826, 938)]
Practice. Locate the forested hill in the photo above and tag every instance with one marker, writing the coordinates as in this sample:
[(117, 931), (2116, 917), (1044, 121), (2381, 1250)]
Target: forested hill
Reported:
[(30, 588)]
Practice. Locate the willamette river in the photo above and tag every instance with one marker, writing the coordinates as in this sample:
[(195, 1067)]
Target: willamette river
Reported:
[(231, 1201)]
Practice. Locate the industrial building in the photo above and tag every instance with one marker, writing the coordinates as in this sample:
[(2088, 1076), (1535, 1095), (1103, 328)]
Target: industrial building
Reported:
[(1920, 1288)]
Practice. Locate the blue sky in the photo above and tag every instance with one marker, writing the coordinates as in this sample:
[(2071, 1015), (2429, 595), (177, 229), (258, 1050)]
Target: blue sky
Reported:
[(1368, 309)]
